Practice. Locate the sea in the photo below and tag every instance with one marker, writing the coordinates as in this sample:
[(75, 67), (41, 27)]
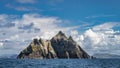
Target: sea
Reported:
[(59, 63)]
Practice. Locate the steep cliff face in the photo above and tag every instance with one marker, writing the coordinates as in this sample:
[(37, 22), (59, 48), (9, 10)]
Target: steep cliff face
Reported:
[(67, 47), (38, 49), (58, 47)]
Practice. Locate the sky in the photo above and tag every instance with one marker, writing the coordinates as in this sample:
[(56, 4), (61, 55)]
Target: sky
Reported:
[(94, 24)]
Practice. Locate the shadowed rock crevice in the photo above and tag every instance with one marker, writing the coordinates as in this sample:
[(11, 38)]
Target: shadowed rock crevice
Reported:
[(58, 47)]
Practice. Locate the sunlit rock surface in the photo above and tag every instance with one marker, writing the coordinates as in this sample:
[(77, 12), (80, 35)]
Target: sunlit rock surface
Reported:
[(58, 47)]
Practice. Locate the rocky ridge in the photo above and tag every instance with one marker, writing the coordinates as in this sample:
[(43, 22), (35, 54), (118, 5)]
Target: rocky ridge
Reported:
[(58, 47)]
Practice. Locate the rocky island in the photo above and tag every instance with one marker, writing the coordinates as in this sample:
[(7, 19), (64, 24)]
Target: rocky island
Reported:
[(59, 47)]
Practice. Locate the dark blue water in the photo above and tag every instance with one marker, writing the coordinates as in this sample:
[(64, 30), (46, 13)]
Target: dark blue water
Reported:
[(60, 63)]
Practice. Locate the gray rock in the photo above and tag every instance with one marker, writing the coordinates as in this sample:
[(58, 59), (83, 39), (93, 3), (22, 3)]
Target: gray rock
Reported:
[(67, 47), (58, 47), (38, 49)]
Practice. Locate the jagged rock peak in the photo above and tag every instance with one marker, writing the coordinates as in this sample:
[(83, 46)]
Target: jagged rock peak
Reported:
[(70, 38), (60, 35), (41, 40), (58, 47), (36, 41)]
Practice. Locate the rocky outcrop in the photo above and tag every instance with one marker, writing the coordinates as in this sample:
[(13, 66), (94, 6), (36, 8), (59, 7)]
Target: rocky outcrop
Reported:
[(67, 47), (58, 47), (38, 49)]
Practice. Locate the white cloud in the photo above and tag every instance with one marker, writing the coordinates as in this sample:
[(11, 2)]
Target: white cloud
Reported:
[(98, 16), (26, 1), (1, 44), (106, 26), (22, 8), (74, 32), (94, 37), (26, 28), (100, 38), (15, 37), (3, 16), (5, 20), (38, 21)]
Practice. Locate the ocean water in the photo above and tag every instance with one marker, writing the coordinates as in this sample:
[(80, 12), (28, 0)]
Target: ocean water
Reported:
[(60, 63)]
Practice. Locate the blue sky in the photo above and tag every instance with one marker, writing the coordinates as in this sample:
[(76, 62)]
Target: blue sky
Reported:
[(102, 10), (94, 24)]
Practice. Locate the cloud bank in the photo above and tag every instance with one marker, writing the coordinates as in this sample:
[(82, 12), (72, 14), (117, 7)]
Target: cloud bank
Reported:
[(16, 32), (101, 38)]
